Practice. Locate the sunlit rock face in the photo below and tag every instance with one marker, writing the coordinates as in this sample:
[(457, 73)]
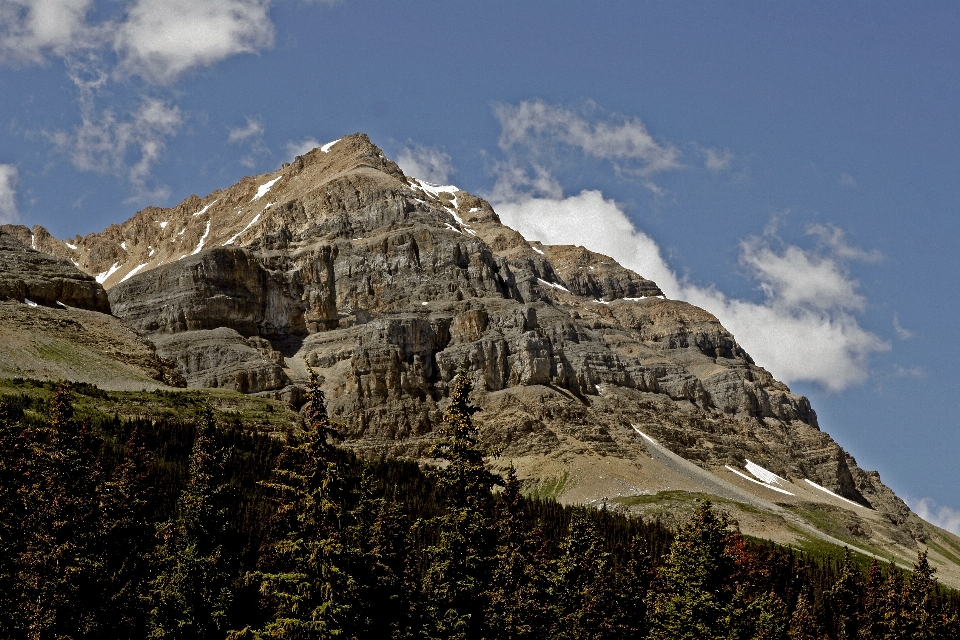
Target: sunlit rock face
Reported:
[(385, 286)]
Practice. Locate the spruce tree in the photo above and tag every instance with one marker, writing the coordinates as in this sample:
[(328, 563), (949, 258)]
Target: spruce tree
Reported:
[(691, 592), (308, 589), (845, 597), (192, 593), (804, 624), (459, 563)]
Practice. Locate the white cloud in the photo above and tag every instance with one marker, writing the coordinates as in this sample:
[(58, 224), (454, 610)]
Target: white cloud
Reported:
[(8, 193), (835, 239), (534, 122), (717, 160), (129, 147), (909, 372), (804, 329), (253, 129), (426, 163), (307, 145), (161, 39), (941, 516), (29, 29)]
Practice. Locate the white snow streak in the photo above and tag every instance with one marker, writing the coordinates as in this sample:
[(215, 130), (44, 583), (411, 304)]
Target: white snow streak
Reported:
[(252, 222), (200, 246), (133, 271), (326, 148), (72, 246), (538, 251), (204, 210), (825, 490), (555, 286), (123, 245), (652, 441), (163, 225), (262, 191), (30, 303), (109, 272)]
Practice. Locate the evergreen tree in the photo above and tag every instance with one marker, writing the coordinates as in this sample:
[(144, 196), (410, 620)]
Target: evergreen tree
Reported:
[(924, 619), (459, 562), (583, 589), (691, 593), (845, 597), (306, 583), (516, 603), (803, 623), (192, 592)]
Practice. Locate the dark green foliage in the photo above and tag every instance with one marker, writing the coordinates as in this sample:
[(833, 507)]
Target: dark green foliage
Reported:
[(124, 528)]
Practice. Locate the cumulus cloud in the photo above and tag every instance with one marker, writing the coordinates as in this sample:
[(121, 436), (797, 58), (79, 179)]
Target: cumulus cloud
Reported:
[(939, 515), (129, 147), (161, 39), (426, 163), (32, 29), (805, 328), (8, 193)]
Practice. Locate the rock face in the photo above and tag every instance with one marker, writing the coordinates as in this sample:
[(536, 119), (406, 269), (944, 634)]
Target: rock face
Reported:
[(385, 285), (28, 274)]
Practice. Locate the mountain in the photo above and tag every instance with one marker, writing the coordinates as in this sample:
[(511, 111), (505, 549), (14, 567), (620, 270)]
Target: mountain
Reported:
[(593, 384)]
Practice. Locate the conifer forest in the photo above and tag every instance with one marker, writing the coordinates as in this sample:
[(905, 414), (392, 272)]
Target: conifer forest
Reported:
[(192, 528)]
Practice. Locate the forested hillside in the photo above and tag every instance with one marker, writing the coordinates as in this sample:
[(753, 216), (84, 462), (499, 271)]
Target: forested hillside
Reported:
[(117, 527)]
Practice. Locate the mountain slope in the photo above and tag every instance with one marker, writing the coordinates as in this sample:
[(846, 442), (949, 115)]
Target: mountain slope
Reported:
[(587, 375)]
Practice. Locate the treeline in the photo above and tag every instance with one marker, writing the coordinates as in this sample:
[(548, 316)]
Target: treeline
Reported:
[(118, 528)]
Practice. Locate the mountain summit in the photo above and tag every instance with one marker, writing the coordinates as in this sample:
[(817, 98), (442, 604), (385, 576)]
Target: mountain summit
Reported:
[(597, 387)]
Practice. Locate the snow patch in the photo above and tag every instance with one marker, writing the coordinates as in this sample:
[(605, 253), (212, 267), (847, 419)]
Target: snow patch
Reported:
[(72, 246), (133, 271), (825, 490), (633, 299), (472, 209), (538, 250), (33, 244), (123, 245), (262, 190), (30, 303), (767, 476), (453, 228), (252, 222), (200, 246), (109, 272), (204, 210), (163, 225), (151, 252), (326, 148), (601, 301), (762, 484), (424, 303), (551, 284)]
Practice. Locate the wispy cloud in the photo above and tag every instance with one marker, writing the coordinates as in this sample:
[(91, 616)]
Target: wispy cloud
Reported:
[(903, 334), (805, 328), (717, 160), (126, 146), (835, 239), (253, 129), (427, 163), (32, 29), (8, 193), (939, 515), (846, 180), (909, 372), (306, 145), (537, 138)]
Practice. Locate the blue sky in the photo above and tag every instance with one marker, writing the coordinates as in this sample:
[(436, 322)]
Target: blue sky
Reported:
[(793, 167)]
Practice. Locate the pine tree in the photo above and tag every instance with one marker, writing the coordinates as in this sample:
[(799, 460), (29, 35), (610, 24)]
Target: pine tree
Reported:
[(192, 592), (924, 619), (691, 593), (307, 586), (459, 563)]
